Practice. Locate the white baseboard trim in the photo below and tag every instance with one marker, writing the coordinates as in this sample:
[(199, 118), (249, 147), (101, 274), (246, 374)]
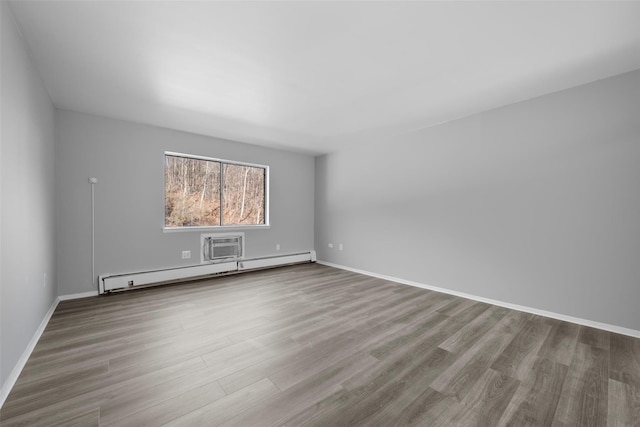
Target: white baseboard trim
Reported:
[(78, 295), (558, 316), (15, 373)]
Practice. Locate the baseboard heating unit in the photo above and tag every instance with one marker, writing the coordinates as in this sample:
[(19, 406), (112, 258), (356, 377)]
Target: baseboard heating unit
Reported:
[(121, 282)]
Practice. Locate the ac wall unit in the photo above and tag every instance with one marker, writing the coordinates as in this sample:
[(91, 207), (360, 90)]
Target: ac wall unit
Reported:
[(221, 247)]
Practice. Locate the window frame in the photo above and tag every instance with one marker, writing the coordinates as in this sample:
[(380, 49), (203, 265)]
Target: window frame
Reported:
[(170, 229)]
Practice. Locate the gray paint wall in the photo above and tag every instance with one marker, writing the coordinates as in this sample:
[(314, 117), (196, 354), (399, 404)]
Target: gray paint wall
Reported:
[(28, 221), (127, 159), (536, 204)]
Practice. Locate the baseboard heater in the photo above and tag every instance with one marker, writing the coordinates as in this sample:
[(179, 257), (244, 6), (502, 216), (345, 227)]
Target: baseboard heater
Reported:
[(121, 282)]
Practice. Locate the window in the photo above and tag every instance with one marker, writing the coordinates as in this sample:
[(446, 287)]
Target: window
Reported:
[(205, 192)]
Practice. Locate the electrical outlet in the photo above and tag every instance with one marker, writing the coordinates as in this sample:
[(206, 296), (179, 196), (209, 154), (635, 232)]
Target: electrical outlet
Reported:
[(330, 245), (186, 254), (340, 247), (278, 247), (44, 281)]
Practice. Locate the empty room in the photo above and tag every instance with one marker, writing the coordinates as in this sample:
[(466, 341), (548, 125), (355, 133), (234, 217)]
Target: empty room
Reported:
[(328, 213)]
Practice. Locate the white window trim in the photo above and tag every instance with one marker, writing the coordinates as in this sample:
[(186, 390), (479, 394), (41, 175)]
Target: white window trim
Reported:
[(213, 228)]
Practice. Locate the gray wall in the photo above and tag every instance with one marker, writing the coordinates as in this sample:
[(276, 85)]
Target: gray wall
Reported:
[(127, 159), (27, 199), (536, 204)]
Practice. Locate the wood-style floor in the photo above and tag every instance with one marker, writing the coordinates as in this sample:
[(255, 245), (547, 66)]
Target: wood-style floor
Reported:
[(313, 345)]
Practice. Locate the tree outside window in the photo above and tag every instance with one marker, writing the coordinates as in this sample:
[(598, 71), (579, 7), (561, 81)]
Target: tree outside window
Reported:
[(210, 192)]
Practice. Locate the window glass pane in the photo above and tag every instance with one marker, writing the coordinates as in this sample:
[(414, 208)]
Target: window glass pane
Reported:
[(192, 192), (243, 195)]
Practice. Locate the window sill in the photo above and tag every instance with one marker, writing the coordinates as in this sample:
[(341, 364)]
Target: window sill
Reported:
[(215, 229)]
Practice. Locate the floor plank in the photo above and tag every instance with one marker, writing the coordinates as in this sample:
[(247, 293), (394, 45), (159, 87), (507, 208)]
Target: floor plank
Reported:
[(625, 360), (624, 404), (535, 401), (224, 409), (560, 343), (518, 357), (459, 378), (484, 404), (584, 397)]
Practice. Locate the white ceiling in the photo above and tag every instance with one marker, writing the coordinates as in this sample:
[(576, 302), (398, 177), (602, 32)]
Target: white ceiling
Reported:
[(311, 76)]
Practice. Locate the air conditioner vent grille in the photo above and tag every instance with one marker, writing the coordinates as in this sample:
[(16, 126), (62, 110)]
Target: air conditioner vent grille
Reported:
[(216, 248)]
